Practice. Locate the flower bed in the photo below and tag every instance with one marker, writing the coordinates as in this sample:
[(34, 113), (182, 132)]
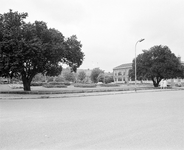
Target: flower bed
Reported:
[(83, 85)]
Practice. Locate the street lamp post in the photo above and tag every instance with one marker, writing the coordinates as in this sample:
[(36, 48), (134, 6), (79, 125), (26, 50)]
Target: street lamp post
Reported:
[(136, 64)]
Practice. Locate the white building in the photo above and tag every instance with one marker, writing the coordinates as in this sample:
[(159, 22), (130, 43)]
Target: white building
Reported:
[(120, 73)]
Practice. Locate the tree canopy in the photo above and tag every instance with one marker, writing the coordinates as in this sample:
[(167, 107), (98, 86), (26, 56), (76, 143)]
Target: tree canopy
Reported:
[(156, 64), (95, 73), (81, 76), (30, 48)]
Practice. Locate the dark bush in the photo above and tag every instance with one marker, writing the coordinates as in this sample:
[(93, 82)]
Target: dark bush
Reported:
[(67, 83), (109, 85), (56, 83), (83, 85), (37, 83), (59, 79), (54, 86), (59, 83), (50, 79)]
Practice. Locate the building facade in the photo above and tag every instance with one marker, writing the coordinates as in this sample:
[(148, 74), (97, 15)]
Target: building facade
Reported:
[(120, 73)]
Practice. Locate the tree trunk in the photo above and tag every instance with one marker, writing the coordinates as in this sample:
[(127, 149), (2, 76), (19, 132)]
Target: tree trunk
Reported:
[(27, 85), (27, 81), (155, 83)]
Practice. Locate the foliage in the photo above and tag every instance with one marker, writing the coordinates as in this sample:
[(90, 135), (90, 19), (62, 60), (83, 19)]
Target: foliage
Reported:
[(101, 77), (39, 78), (109, 79), (30, 48), (95, 73), (68, 75), (59, 79), (54, 86), (110, 85), (83, 85), (37, 83), (105, 78), (50, 79), (156, 64), (81, 76)]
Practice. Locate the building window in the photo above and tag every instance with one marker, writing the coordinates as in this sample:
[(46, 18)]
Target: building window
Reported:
[(119, 79), (119, 73)]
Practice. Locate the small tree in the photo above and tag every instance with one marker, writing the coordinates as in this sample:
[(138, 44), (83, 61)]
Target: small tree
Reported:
[(81, 76), (101, 77), (94, 74), (156, 64), (69, 75), (109, 79)]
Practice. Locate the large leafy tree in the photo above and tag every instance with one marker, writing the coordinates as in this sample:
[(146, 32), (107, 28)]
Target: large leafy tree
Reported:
[(156, 64), (30, 48)]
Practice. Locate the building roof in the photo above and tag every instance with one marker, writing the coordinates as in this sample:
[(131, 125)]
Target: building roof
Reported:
[(127, 65)]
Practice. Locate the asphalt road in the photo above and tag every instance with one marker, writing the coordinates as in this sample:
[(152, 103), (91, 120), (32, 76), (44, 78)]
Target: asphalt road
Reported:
[(143, 121)]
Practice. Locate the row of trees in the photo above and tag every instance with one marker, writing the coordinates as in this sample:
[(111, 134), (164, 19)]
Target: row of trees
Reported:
[(27, 49), (156, 64), (97, 75)]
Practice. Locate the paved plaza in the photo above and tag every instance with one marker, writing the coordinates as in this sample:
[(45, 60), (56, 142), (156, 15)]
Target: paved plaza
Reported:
[(150, 120)]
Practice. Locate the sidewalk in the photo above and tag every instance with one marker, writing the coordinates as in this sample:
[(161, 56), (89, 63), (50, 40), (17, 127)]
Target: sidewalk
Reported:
[(43, 93)]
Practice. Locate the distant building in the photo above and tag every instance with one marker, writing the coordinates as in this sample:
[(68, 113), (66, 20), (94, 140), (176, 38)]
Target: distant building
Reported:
[(120, 73)]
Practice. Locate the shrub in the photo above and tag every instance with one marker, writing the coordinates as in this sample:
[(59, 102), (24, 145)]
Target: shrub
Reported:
[(69, 76), (56, 83), (67, 83), (59, 79), (84, 85), (54, 86), (50, 79), (37, 83), (81, 76), (109, 79), (109, 85), (59, 83), (178, 84), (95, 73), (16, 86)]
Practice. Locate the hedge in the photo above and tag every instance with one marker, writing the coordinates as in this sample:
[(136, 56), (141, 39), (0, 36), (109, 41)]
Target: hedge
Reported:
[(37, 83), (54, 86), (59, 83), (83, 85), (109, 85)]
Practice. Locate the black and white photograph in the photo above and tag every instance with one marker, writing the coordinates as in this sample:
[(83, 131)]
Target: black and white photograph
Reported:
[(91, 74)]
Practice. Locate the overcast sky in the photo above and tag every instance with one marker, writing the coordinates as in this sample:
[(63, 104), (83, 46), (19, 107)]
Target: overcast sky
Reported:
[(109, 29)]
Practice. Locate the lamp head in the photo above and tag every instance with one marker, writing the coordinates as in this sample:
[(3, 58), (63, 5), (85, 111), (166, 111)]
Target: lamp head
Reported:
[(141, 40)]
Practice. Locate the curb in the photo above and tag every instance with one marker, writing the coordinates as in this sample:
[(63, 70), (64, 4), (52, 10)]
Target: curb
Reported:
[(86, 94)]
